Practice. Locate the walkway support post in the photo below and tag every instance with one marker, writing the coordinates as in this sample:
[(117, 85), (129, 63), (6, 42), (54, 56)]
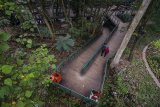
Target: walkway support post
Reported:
[(134, 24)]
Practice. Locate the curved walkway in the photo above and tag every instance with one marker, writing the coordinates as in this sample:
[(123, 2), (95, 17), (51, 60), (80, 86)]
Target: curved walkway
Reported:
[(94, 76), (148, 68)]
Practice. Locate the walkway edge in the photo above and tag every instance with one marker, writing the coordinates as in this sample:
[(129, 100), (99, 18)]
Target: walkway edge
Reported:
[(148, 68)]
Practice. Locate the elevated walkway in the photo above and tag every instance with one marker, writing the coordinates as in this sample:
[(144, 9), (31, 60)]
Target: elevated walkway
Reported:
[(95, 74)]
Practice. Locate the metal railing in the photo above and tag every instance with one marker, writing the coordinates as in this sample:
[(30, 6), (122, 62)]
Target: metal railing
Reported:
[(74, 93), (92, 58)]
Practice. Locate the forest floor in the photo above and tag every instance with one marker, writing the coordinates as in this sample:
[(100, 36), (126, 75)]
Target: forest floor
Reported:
[(140, 83)]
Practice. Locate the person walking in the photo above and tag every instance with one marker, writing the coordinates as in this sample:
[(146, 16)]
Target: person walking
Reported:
[(105, 50)]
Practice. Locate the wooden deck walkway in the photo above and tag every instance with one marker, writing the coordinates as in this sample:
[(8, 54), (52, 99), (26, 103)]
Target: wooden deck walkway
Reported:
[(93, 78)]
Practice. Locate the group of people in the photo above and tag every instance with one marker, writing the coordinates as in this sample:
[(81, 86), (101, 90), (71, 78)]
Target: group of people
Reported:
[(105, 50)]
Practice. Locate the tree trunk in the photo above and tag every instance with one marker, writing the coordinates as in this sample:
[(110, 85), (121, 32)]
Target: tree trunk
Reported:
[(46, 20), (130, 31), (66, 14)]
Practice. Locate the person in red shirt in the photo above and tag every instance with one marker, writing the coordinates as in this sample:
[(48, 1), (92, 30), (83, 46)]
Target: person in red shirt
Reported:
[(105, 50)]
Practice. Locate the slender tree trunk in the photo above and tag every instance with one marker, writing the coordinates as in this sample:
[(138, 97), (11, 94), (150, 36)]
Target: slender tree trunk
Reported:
[(46, 20), (30, 9), (66, 15)]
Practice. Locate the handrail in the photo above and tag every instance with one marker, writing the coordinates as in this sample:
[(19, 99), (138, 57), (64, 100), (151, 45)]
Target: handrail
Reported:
[(87, 99), (105, 72), (92, 58), (90, 61)]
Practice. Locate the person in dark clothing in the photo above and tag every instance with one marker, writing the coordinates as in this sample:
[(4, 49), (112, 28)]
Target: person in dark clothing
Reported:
[(105, 50)]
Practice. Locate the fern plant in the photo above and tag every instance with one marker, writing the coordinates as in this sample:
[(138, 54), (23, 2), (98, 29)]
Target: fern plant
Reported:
[(64, 43)]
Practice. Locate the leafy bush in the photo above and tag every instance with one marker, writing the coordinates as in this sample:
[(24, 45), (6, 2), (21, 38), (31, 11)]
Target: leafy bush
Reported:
[(3, 41), (28, 25), (23, 84), (24, 41), (10, 7), (64, 43), (156, 44)]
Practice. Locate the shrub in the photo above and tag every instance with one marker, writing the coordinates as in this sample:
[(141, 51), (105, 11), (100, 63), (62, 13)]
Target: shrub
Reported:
[(24, 41), (156, 44), (28, 25), (3, 41), (64, 43), (23, 84)]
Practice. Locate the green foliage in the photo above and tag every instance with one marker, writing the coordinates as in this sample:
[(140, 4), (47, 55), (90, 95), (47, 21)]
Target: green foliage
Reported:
[(20, 104), (24, 41), (74, 31), (3, 41), (83, 29), (122, 87), (4, 36), (7, 69), (23, 85), (156, 44), (115, 92), (28, 94), (28, 25), (64, 43), (148, 94), (153, 57), (80, 32), (21, 12), (44, 31), (10, 7), (8, 82), (126, 51), (4, 22), (154, 62), (153, 28)]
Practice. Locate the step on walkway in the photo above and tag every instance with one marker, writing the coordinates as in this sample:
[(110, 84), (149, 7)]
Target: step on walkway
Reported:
[(93, 78)]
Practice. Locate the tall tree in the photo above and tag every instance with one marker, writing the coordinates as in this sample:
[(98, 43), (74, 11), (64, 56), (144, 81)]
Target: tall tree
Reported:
[(130, 31), (139, 33)]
